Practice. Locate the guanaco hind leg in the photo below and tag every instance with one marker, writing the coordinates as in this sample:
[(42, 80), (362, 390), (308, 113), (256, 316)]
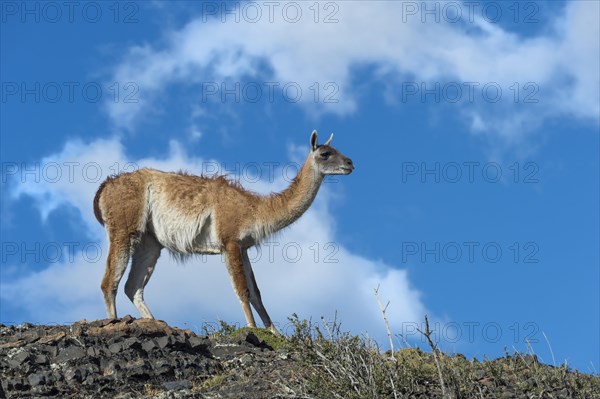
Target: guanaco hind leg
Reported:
[(116, 263), (144, 259)]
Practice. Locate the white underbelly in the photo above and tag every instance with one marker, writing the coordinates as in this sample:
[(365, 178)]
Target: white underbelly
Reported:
[(184, 235)]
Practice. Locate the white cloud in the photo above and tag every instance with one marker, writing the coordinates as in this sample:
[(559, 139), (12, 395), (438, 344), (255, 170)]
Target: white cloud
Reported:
[(58, 179), (326, 277), (580, 58), (562, 61)]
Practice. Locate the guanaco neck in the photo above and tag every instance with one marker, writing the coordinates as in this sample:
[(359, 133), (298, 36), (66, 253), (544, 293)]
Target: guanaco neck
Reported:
[(282, 209)]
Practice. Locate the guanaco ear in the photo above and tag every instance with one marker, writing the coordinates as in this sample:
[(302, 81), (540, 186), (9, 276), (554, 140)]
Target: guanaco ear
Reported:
[(329, 140), (313, 140)]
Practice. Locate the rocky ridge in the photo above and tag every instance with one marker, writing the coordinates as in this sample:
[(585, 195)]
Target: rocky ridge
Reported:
[(130, 357), (141, 358)]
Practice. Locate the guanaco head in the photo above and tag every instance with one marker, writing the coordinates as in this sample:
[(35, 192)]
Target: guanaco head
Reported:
[(328, 160)]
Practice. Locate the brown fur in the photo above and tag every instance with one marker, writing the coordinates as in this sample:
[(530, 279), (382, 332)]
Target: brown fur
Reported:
[(97, 211), (146, 210)]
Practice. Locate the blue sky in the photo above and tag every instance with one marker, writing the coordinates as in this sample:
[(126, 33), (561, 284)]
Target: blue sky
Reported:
[(474, 130)]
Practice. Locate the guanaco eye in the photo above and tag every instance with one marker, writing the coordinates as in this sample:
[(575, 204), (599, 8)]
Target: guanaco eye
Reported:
[(325, 155)]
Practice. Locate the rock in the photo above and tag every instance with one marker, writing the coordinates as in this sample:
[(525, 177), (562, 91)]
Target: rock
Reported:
[(129, 327), (132, 343), (228, 351), (52, 339), (17, 359), (78, 328), (177, 385), (32, 334), (13, 344), (198, 344), (246, 360), (251, 338), (36, 379), (18, 384), (92, 351), (104, 363), (147, 346), (162, 342), (74, 374), (163, 366), (89, 380), (116, 347), (70, 353), (137, 363), (101, 323), (40, 359), (178, 341), (153, 328), (52, 351)]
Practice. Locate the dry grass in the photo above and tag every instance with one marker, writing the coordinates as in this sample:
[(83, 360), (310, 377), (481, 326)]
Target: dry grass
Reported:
[(327, 362), (347, 366)]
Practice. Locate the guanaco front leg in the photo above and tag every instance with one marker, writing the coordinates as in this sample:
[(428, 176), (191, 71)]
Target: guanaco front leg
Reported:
[(255, 297), (235, 266)]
